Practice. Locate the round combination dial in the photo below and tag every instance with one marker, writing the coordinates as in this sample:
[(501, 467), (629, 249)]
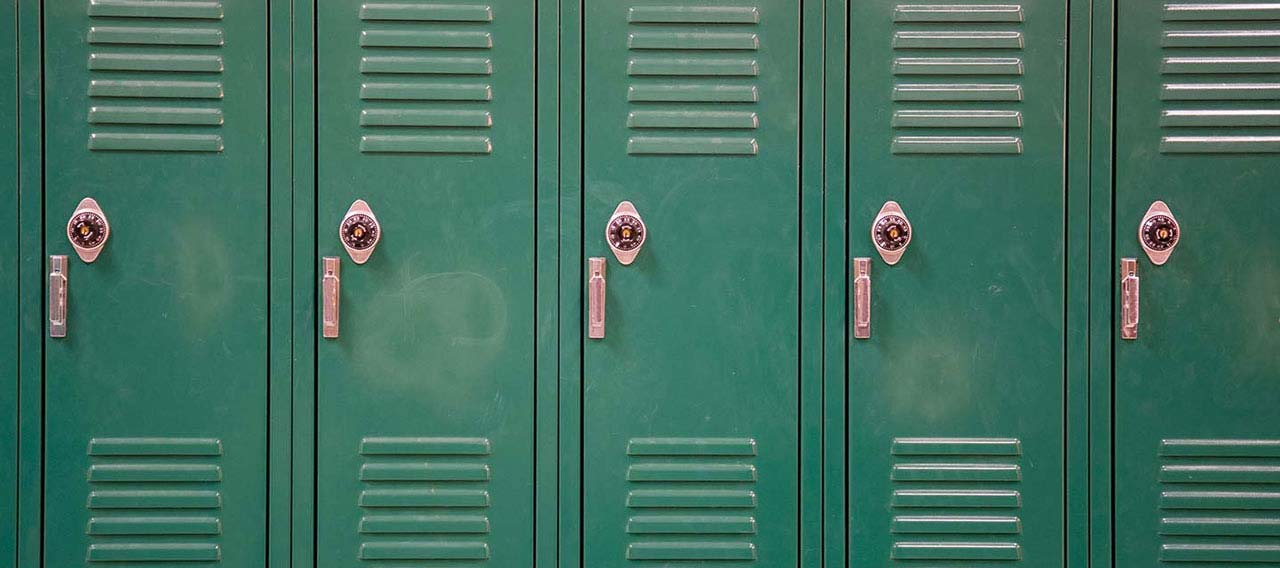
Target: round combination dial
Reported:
[(891, 233), (626, 233), (87, 230), (359, 231), (1160, 233)]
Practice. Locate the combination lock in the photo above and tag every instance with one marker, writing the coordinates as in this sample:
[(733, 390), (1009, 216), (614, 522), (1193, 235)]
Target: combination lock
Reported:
[(625, 233), (88, 230), (891, 232), (1158, 233), (359, 232)]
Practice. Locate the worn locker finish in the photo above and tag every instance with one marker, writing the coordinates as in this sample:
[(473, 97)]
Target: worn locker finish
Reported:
[(155, 401), (956, 408), (1196, 398), (425, 435), (691, 401)]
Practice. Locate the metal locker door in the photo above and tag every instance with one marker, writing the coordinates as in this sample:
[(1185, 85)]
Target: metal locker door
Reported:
[(1196, 449), (956, 356), (155, 365), (9, 254), (691, 398), (425, 373)]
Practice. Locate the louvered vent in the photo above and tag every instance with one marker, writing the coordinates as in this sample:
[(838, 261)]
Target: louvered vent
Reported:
[(956, 500), (693, 73), (154, 500), (426, 68), (1220, 501), (1221, 68), (957, 79), (691, 499), (155, 75), (424, 499)]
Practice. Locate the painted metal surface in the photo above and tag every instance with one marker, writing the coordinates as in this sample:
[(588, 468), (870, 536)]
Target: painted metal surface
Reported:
[(1196, 400), (155, 402), (691, 403), (9, 347), (425, 400), (956, 401)]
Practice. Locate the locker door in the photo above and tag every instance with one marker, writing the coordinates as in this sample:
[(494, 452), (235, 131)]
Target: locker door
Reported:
[(691, 399), (155, 400), (9, 268), (425, 424), (956, 397), (1196, 397)]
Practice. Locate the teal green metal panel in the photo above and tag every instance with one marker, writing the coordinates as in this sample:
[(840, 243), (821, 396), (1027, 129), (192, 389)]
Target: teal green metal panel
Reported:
[(31, 283), (956, 416), (303, 271), (1195, 393), (156, 405), (9, 272), (425, 412), (281, 355), (692, 401)]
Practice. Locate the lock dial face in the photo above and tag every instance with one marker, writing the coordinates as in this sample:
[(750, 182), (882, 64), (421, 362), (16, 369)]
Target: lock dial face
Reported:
[(359, 231), (626, 233), (88, 230), (891, 232), (1158, 233)]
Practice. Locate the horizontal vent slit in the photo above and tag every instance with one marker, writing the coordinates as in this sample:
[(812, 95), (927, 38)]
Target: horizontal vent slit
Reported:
[(957, 40), (424, 472), (156, 89), (425, 92), (957, 145), (691, 551), (958, 93), (155, 142), (424, 524), (155, 115), (957, 119), (455, 118), (401, 498), (414, 38), (693, 93), (154, 552), (694, 499), (976, 13), (691, 524), (426, 144), (169, 9), (692, 145), (424, 446), (692, 40), (117, 526), (693, 67), (427, 65), (692, 119), (425, 12), (693, 15), (957, 66), (155, 63)]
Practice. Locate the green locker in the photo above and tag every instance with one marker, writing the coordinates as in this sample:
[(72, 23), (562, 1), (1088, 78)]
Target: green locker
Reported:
[(424, 372), (9, 255), (1197, 343), (691, 223), (155, 379), (956, 375)]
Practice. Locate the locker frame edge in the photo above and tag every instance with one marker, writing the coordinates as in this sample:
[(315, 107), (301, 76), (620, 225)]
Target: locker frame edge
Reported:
[(9, 349), (30, 285)]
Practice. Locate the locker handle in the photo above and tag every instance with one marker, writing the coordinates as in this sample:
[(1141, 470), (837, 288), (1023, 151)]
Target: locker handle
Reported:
[(58, 295), (331, 285), (862, 298), (1129, 297), (596, 298)]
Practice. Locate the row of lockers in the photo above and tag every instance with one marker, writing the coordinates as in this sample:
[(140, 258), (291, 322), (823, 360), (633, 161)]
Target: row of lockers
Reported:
[(639, 283)]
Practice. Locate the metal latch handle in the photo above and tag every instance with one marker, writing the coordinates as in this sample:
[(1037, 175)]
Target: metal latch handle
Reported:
[(596, 298), (331, 288), (58, 295), (862, 298), (1129, 298)]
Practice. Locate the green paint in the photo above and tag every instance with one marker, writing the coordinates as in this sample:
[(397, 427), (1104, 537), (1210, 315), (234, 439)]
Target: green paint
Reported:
[(168, 328), (9, 347), (437, 336), (968, 335), (703, 330), (1203, 368)]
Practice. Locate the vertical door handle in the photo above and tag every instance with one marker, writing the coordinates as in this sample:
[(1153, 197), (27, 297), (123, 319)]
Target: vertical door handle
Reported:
[(331, 287), (595, 299), (1129, 296), (58, 295), (862, 298)]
